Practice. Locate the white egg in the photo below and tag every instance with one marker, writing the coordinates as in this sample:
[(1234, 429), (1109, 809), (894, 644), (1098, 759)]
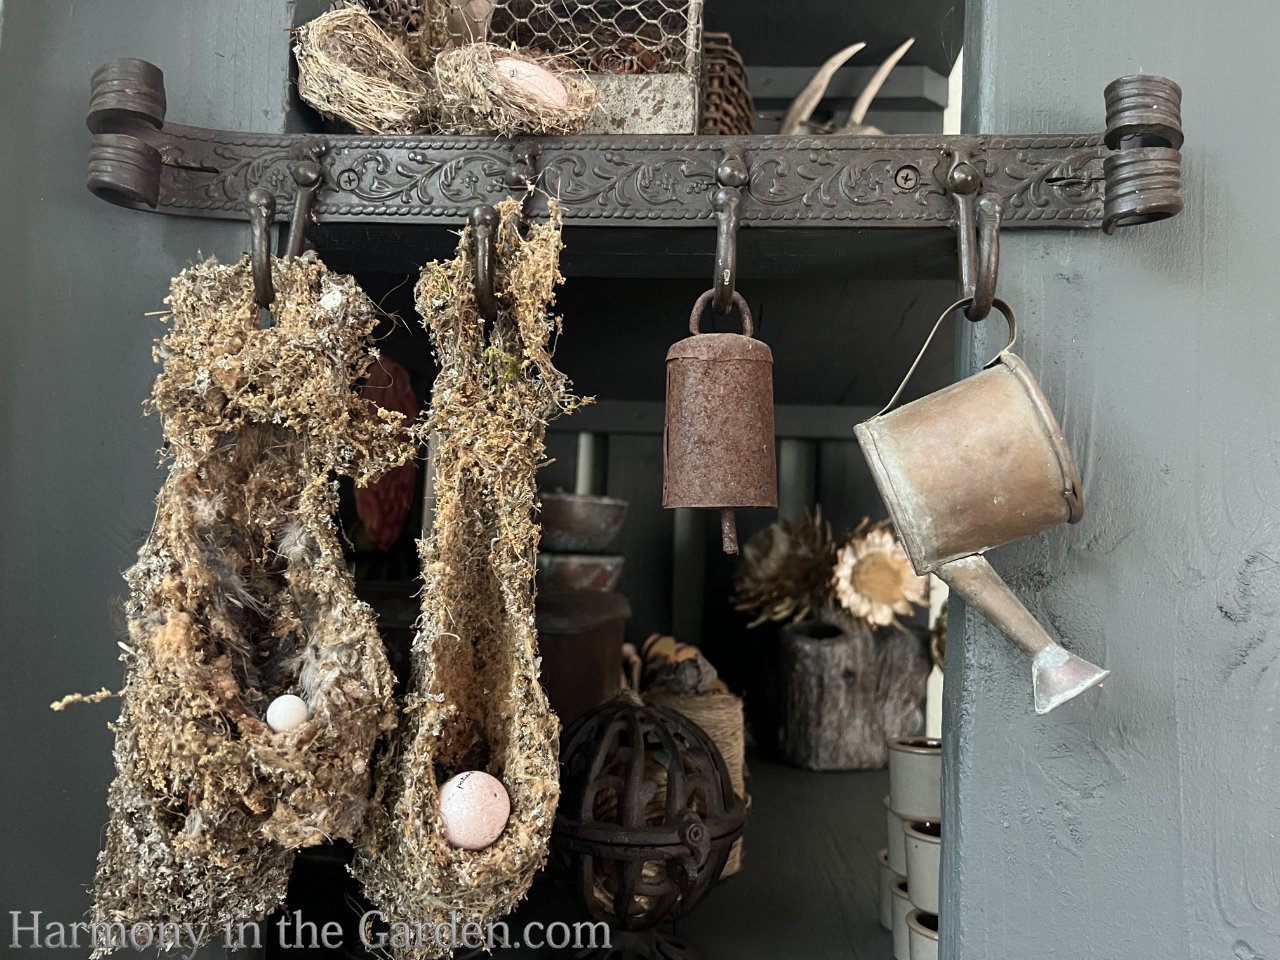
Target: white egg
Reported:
[(540, 82), (287, 712), (474, 808)]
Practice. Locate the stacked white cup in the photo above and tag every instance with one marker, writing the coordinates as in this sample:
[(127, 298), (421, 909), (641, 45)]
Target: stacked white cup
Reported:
[(909, 866)]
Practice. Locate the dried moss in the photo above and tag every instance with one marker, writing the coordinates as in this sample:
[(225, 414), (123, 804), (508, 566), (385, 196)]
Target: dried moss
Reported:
[(475, 701), (239, 595)]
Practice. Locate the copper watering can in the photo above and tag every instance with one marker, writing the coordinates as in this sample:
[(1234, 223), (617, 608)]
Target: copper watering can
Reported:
[(975, 465)]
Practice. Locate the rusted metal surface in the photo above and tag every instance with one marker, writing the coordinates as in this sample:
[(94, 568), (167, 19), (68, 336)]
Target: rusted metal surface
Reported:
[(727, 107), (661, 103), (972, 466), (718, 441), (579, 523), (647, 812)]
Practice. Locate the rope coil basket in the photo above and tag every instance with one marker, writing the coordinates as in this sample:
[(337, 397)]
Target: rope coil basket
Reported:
[(474, 700), (241, 595)]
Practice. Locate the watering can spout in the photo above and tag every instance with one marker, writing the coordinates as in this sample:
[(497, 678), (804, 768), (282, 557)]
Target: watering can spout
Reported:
[(1057, 675)]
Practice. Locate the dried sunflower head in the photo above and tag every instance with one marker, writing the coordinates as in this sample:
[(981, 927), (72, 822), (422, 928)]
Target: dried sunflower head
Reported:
[(786, 569), (873, 578)]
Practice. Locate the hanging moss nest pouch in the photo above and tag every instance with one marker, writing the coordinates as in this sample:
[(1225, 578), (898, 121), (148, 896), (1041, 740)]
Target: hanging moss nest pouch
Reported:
[(241, 595), (474, 699)]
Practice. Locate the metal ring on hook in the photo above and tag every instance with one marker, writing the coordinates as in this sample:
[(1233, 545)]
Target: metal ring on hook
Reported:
[(990, 210), (699, 305), (262, 211), (484, 226)]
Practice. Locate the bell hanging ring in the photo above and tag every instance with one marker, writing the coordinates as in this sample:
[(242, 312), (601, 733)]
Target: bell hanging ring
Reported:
[(972, 466), (718, 440)]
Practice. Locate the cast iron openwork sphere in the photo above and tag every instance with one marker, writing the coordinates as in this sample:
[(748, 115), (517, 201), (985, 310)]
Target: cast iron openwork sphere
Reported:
[(646, 819)]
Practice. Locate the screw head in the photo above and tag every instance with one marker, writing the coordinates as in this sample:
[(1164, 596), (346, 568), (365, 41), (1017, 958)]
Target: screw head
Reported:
[(348, 179), (907, 178)]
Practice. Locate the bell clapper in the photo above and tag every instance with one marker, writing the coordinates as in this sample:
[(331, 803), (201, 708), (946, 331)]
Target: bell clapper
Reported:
[(728, 531)]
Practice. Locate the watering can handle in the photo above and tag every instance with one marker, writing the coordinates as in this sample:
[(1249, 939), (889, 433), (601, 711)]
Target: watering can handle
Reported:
[(996, 302), (699, 305)]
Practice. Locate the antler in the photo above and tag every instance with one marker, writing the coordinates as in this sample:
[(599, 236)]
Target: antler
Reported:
[(854, 124), (802, 107)]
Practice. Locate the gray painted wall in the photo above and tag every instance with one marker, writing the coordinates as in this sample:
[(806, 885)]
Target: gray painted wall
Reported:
[(1142, 820), (77, 459)]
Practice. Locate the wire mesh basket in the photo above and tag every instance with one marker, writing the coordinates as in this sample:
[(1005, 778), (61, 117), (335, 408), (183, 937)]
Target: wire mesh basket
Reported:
[(607, 36), (644, 56)]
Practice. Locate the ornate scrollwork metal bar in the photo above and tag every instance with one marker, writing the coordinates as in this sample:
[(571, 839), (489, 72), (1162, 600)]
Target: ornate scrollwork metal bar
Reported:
[(138, 160)]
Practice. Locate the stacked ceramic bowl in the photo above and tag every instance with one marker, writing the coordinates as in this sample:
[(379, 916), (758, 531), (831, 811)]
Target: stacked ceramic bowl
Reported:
[(909, 866), (576, 529)]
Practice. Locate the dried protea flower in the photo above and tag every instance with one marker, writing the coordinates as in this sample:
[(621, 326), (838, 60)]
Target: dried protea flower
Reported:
[(786, 570), (873, 578)]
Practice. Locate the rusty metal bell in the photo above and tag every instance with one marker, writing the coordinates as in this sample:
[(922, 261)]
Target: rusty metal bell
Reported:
[(718, 439)]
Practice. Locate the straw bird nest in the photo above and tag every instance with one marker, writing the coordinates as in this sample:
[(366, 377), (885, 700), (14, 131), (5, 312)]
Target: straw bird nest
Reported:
[(384, 77), (485, 89), (241, 594), (474, 700), (351, 68)]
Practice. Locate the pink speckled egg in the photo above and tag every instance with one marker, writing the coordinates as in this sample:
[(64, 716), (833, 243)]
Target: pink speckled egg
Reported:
[(474, 808), (538, 81)]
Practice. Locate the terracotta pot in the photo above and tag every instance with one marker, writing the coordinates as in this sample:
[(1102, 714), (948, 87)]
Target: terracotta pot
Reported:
[(922, 935), (915, 778), (896, 839), (887, 879), (924, 858), (901, 909)]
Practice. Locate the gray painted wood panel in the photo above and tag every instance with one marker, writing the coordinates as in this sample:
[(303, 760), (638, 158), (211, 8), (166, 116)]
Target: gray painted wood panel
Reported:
[(1140, 820)]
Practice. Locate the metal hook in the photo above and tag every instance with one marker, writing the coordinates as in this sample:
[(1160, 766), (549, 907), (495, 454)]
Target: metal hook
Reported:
[(522, 173), (308, 175), (732, 175), (262, 211), (977, 226), (484, 224), (989, 213)]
